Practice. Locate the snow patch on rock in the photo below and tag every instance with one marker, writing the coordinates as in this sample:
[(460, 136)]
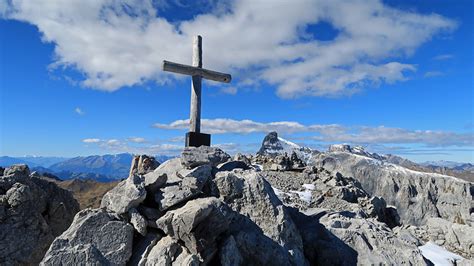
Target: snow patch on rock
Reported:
[(439, 255)]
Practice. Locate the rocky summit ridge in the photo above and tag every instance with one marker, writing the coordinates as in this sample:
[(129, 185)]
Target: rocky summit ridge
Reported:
[(33, 212), (340, 207)]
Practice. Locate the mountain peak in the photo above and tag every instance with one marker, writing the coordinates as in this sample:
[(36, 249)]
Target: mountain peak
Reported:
[(273, 145)]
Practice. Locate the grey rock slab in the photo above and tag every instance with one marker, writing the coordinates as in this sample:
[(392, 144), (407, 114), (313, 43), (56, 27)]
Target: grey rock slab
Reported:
[(94, 233), (243, 158), (143, 164), (32, 213), (373, 241), (201, 173), (198, 224), (230, 165), (163, 252), (163, 174), (195, 156), (17, 170), (458, 238), (167, 251), (154, 180), (126, 195), (190, 185), (138, 221), (250, 195)]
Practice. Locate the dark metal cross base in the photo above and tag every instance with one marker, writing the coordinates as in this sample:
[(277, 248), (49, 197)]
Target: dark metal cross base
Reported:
[(194, 139)]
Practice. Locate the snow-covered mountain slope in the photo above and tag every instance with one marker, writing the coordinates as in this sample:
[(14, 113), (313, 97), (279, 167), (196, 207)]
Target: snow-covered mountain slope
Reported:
[(417, 195), (273, 145)]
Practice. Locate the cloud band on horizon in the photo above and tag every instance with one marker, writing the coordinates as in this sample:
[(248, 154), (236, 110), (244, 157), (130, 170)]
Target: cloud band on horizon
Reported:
[(333, 133)]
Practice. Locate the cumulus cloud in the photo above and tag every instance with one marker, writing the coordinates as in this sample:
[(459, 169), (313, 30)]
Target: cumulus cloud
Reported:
[(177, 139), (223, 125), (131, 145), (79, 111), (229, 90), (137, 140), (91, 140), (116, 44), (333, 133)]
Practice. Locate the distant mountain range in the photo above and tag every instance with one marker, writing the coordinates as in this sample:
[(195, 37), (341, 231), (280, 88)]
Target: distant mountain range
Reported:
[(450, 165), (97, 167), (273, 145), (109, 167), (31, 161)]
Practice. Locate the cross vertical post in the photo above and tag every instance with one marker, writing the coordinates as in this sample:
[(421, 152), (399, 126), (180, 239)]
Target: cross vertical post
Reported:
[(195, 112)]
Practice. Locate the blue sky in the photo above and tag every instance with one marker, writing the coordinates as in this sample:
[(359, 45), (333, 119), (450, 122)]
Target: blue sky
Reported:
[(84, 77)]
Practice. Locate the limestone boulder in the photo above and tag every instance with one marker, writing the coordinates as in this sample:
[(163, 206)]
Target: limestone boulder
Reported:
[(230, 165), (458, 238), (143, 164), (198, 224), (243, 158), (342, 238), (189, 185), (165, 173), (259, 211), (195, 156), (20, 170), (373, 241), (138, 221), (32, 213), (126, 195), (169, 252), (96, 237)]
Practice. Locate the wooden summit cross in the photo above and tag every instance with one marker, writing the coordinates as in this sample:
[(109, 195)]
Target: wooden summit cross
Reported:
[(194, 137)]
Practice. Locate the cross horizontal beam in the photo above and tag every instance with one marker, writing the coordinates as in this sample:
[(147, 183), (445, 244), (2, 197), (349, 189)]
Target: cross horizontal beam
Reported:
[(196, 71)]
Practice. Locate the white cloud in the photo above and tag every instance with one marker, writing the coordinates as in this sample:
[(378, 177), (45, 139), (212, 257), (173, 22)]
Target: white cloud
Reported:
[(229, 90), (91, 140), (177, 139), (115, 44), (130, 145), (381, 134), (223, 125), (79, 111), (113, 142), (331, 133), (137, 140)]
